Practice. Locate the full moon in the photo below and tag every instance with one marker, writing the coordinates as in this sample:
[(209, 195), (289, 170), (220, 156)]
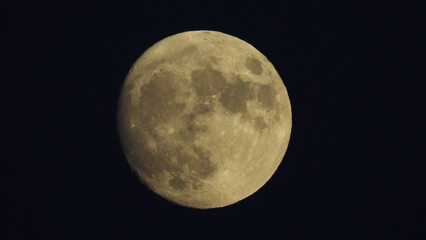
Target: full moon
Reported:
[(204, 119)]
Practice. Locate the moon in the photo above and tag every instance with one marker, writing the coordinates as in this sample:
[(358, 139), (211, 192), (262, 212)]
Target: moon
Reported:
[(204, 119)]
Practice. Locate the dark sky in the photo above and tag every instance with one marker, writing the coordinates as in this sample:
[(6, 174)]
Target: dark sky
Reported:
[(344, 175)]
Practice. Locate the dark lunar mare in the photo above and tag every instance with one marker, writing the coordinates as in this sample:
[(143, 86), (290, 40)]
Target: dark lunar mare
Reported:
[(254, 65)]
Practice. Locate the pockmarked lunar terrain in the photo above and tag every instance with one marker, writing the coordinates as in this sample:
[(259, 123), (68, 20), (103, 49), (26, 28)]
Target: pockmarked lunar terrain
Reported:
[(204, 119)]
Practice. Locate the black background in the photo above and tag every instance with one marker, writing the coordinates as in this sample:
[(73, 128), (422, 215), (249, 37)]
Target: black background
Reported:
[(345, 174)]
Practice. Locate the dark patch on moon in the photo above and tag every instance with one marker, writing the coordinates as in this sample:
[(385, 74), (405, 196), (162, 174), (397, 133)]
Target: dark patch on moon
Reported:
[(254, 66), (178, 183), (199, 164), (202, 165), (190, 129), (187, 133), (207, 81), (235, 95), (204, 107), (160, 161), (154, 65), (266, 96), (156, 101), (188, 51), (259, 123)]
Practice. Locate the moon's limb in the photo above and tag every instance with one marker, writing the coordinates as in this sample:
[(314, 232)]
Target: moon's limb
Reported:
[(204, 119)]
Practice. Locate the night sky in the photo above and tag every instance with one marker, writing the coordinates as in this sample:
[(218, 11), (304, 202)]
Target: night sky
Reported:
[(344, 175)]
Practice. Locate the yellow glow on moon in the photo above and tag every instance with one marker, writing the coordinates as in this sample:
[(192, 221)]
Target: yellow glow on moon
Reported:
[(204, 119)]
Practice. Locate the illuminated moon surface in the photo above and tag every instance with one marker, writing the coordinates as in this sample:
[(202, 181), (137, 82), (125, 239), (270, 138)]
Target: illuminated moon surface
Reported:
[(204, 119)]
